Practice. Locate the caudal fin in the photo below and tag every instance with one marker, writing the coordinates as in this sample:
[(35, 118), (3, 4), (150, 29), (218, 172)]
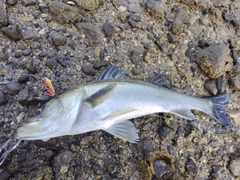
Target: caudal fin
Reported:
[(219, 103)]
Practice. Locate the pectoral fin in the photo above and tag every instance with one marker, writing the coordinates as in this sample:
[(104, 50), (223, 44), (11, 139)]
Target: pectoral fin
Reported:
[(124, 130), (99, 96), (184, 113)]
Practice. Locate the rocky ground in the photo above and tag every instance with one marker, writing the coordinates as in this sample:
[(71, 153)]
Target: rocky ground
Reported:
[(194, 43)]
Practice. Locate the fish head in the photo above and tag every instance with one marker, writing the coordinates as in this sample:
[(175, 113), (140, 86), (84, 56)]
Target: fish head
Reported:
[(55, 120)]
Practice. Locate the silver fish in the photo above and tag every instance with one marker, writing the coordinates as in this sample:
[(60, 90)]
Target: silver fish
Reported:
[(110, 102)]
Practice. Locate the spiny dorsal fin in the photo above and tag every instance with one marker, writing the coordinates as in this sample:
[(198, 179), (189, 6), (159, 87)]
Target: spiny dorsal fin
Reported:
[(101, 95), (160, 80), (112, 72), (124, 130)]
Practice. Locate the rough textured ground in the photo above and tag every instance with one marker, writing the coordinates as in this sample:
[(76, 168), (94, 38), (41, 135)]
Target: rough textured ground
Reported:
[(196, 44)]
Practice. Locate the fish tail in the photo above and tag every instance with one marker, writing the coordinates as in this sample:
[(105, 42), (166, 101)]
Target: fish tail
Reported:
[(219, 103)]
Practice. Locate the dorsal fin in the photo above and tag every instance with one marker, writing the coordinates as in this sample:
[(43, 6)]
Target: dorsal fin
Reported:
[(112, 72), (160, 80)]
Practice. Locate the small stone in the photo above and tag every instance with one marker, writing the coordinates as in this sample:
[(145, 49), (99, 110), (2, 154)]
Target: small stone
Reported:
[(31, 68), (12, 32), (5, 174), (35, 45), (136, 71), (89, 5), (29, 2), (88, 70), (14, 87), (23, 96), (203, 43), (234, 82), (3, 56), (12, 2), (52, 62), (44, 8), (58, 39), (214, 175), (211, 87), (177, 28), (155, 8), (191, 166), (109, 30), (99, 64), (3, 14), (63, 61), (165, 132), (26, 52), (27, 18), (96, 168), (62, 159), (234, 166), (236, 22), (3, 99), (23, 79), (172, 38), (29, 34), (228, 17)]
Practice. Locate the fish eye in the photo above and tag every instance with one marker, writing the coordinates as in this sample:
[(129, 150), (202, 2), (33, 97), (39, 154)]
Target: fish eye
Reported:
[(38, 112)]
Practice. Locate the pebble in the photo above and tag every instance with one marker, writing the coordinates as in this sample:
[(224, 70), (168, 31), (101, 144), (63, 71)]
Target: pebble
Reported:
[(211, 87), (63, 12), (26, 52), (109, 30), (236, 22), (31, 68), (155, 8), (29, 34), (234, 82), (3, 14), (177, 28), (12, 32), (12, 2), (203, 43), (228, 17), (234, 166), (14, 87), (88, 70), (96, 168), (23, 96), (62, 61), (3, 56), (5, 174), (99, 64), (23, 79), (212, 62), (3, 99), (58, 39), (35, 45), (52, 62), (29, 2), (191, 166), (89, 5)]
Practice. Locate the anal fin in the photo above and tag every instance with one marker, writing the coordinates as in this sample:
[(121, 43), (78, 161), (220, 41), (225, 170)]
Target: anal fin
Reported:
[(124, 130), (184, 113)]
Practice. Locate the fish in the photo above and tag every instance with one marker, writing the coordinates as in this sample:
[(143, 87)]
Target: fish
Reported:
[(108, 104)]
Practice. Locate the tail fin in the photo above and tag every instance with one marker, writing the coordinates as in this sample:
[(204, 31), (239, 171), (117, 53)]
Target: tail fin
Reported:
[(219, 103)]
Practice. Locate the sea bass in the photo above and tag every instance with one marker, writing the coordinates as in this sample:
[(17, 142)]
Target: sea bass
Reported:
[(109, 102)]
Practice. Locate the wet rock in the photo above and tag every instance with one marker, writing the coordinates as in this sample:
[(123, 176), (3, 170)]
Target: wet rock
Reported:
[(26, 52), (3, 56), (14, 87), (3, 99), (31, 67), (12, 32), (5, 174), (156, 9), (28, 34), (23, 79), (211, 87), (88, 70), (29, 2), (58, 39), (91, 32), (62, 61), (109, 30), (42, 172), (234, 166), (213, 60), (52, 62), (89, 5), (62, 12), (3, 14), (12, 2), (99, 64), (191, 166)]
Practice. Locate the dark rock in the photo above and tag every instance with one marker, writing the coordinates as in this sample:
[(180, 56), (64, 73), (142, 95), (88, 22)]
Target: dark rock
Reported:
[(3, 56), (136, 71), (190, 55), (88, 70), (96, 168), (52, 62), (62, 61), (29, 2), (58, 39), (235, 57), (31, 67), (23, 79), (213, 60), (12, 32), (35, 45), (26, 52), (42, 172), (109, 30), (3, 14), (43, 54), (203, 43), (211, 87), (23, 96), (63, 12), (234, 82), (52, 54), (101, 55), (89, 5), (234, 166), (156, 9), (214, 175), (17, 55), (221, 83), (191, 166), (135, 20), (236, 22), (14, 87), (62, 159), (43, 8), (228, 17), (165, 132), (12, 2), (160, 167), (28, 34), (5, 174), (91, 32), (99, 64), (3, 99), (172, 38), (137, 55)]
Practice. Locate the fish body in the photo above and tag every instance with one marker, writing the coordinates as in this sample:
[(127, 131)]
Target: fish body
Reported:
[(110, 102)]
